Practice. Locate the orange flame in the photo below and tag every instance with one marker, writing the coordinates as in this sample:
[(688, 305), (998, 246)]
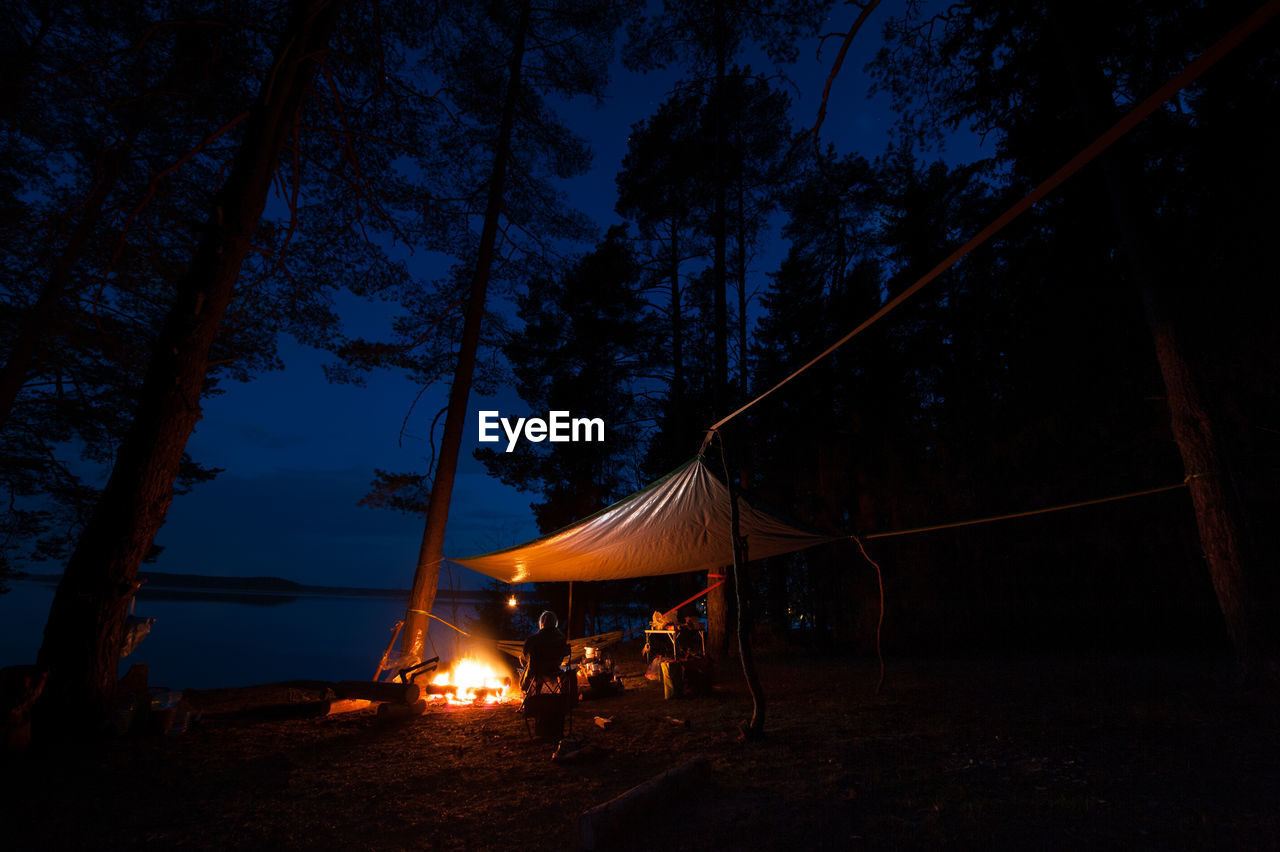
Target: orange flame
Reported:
[(472, 682)]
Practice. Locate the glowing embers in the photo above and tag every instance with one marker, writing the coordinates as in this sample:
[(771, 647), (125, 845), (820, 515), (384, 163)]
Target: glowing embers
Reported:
[(472, 681)]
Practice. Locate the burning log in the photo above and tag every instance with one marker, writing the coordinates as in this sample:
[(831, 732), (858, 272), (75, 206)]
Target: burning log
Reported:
[(348, 705), (440, 689), (372, 690), (469, 681), (596, 824)]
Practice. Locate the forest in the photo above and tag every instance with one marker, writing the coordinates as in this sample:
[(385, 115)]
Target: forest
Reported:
[(186, 183)]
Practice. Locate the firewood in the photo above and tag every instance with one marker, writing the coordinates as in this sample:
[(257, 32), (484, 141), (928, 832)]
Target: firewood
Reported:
[(372, 690), (389, 712), (348, 705), (439, 689)]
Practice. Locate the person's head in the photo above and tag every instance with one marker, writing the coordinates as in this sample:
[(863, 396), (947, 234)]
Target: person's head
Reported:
[(547, 619)]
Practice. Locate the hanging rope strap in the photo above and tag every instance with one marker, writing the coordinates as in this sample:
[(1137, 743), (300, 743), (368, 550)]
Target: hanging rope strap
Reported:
[(698, 595), (1045, 511), (880, 622), (1181, 80), (1031, 512)]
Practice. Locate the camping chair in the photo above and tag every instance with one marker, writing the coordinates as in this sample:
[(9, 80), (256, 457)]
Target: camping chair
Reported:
[(548, 701)]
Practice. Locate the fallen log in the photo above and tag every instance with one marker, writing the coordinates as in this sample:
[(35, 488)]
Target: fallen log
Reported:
[(372, 690), (279, 712), (348, 705), (389, 712), (596, 824)]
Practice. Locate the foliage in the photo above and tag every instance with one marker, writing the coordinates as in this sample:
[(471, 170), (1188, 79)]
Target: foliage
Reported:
[(584, 348), (143, 104)]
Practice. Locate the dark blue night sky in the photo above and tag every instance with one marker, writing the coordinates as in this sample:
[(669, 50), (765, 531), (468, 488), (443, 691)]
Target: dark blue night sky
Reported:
[(299, 452)]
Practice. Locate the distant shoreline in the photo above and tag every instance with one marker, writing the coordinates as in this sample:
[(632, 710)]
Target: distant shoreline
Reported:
[(200, 585)]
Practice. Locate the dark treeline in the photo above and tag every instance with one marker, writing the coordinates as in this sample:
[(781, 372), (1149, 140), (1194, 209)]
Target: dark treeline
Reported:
[(1034, 374), (182, 182)]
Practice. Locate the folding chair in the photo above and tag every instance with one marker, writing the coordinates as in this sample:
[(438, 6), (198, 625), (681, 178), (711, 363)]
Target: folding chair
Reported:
[(548, 701)]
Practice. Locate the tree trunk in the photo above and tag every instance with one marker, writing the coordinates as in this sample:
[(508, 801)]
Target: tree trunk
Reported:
[(431, 552), (742, 291), (718, 598), (83, 636), (677, 403), (1220, 518)]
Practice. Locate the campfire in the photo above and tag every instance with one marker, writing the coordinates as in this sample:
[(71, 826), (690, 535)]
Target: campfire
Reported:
[(471, 681)]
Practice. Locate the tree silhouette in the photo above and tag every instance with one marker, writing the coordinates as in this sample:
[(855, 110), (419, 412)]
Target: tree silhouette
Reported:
[(559, 49), (1080, 86), (85, 628)]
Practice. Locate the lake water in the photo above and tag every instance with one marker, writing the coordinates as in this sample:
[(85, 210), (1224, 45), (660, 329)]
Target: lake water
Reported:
[(201, 643)]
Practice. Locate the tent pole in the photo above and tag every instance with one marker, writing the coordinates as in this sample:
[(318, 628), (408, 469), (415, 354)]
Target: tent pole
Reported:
[(568, 619)]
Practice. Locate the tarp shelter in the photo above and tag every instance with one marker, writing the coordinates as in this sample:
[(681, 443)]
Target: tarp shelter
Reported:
[(678, 524)]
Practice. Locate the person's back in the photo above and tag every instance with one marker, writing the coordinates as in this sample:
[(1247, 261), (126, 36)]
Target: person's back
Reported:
[(544, 650)]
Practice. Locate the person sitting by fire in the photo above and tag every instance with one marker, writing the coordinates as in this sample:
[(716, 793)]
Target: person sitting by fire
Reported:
[(543, 651)]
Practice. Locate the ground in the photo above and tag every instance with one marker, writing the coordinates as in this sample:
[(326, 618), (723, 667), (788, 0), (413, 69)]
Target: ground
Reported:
[(1158, 754)]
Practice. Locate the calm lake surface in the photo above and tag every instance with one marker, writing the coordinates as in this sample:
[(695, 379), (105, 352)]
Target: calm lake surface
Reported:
[(201, 643)]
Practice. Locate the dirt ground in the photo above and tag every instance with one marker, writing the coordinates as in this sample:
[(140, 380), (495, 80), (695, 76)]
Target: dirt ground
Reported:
[(1045, 753)]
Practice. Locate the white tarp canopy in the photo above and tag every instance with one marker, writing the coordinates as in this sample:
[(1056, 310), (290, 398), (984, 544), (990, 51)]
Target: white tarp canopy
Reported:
[(679, 523)]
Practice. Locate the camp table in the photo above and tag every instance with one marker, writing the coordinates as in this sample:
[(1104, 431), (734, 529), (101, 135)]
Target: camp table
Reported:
[(671, 633)]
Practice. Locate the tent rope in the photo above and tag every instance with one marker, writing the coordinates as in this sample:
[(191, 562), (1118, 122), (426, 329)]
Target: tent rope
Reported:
[(1031, 512), (880, 623), (1179, 81), (442, 621), (880, 574)]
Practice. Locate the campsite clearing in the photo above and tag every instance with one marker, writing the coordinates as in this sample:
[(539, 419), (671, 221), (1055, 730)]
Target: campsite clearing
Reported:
[(1035, 752)]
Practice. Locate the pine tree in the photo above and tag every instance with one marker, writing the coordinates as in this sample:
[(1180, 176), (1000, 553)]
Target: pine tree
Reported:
[(85, 628), (559, 49)]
